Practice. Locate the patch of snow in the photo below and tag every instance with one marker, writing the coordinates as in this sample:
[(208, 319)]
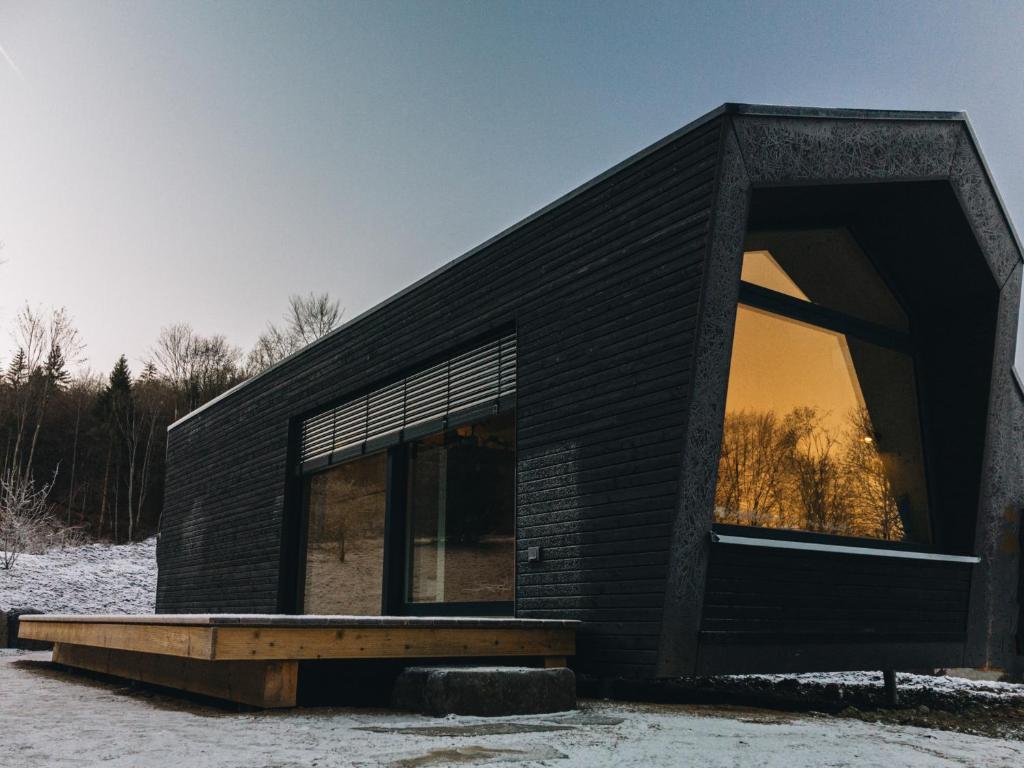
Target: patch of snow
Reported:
[(984, 689), (94, 578), (52, 718)]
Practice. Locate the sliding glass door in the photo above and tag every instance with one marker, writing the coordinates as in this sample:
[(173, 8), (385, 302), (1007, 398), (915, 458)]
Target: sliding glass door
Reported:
[(424, 526)]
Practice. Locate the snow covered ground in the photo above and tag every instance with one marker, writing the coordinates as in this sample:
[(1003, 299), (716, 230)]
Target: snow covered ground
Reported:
[(936, 684), (52, 718), (95, 578)]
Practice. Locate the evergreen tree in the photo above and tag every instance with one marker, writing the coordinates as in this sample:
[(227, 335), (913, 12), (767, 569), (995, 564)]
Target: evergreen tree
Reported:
[(56, 367), (114, 407), (121, 376), (17, 371), (117, 395)]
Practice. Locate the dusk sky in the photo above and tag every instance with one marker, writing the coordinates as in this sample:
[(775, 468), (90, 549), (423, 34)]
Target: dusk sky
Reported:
[(199, 162)]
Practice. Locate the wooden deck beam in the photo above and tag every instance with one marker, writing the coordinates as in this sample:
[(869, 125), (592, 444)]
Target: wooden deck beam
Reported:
[(268, 684)]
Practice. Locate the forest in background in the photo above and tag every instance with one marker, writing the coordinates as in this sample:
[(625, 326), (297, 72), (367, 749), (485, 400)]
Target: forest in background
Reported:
[(82, 453)]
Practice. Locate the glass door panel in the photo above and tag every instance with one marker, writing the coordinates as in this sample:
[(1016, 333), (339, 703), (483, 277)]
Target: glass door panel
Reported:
[(461, 514), (345, 539)]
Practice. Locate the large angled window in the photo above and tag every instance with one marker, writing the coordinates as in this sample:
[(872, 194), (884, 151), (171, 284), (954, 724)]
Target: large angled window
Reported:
[(822, 427)]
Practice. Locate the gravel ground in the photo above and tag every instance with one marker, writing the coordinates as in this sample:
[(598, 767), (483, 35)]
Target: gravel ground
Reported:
[(53, 718)]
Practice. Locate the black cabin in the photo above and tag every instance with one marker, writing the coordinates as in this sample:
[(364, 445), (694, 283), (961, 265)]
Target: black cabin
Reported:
[(745, 402)]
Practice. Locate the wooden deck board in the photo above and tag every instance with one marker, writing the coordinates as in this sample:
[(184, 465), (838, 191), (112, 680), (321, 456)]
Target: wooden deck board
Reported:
[(166, 639), (290, 620), (387, 642)]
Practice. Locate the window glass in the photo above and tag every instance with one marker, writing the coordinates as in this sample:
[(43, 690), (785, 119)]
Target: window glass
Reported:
[(345, 539), (761, 268), (461, 514), (824, 267), (821, 433)]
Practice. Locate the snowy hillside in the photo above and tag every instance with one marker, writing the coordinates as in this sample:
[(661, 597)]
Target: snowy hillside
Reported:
[(95, 578)]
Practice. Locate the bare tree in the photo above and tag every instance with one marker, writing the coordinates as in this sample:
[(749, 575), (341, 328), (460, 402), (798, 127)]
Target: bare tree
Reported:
[(45, 346), (29, 343), (312, 316), (308, 318), (24, 515), (271, 346), (62, 342), (198, 367), (83, 391), (137, 422)]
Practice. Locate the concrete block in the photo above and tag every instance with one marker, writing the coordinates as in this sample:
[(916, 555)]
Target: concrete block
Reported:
[(485, 691)]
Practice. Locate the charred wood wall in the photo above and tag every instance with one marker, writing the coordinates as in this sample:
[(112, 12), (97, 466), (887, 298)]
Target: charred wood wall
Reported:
[(781, 609), (603, 291)]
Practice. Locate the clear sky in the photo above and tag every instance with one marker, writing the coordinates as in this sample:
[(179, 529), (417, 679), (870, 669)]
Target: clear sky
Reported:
[(199, 162)]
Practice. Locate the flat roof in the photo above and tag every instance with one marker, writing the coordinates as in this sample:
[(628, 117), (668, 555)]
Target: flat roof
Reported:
[(728, 108)]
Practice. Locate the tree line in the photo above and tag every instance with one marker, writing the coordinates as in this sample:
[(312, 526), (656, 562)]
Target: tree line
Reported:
[(82, 454)]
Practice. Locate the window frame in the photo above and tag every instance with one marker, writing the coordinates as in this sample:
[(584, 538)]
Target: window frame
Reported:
[(774, 302)]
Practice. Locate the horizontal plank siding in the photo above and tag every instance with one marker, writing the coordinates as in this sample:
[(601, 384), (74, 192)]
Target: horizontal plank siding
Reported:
[(603, 292)]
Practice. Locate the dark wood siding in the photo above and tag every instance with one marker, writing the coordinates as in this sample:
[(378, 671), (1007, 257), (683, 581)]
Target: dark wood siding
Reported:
[(771, 598), (603, 292)]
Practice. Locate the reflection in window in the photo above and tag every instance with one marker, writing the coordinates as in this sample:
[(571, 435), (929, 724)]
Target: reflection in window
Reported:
[(345, 540), (461, 514), (821, 430)]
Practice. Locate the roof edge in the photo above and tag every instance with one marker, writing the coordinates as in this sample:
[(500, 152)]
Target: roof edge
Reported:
[(833, 113)]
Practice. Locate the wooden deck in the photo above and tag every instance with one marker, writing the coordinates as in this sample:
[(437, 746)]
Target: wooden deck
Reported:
[(254, 658)]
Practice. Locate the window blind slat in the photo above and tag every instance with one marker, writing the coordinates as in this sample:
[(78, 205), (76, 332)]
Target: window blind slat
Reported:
[(475, 377)]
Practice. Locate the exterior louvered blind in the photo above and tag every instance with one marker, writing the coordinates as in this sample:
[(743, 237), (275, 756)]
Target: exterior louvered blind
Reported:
[(481, 376)]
